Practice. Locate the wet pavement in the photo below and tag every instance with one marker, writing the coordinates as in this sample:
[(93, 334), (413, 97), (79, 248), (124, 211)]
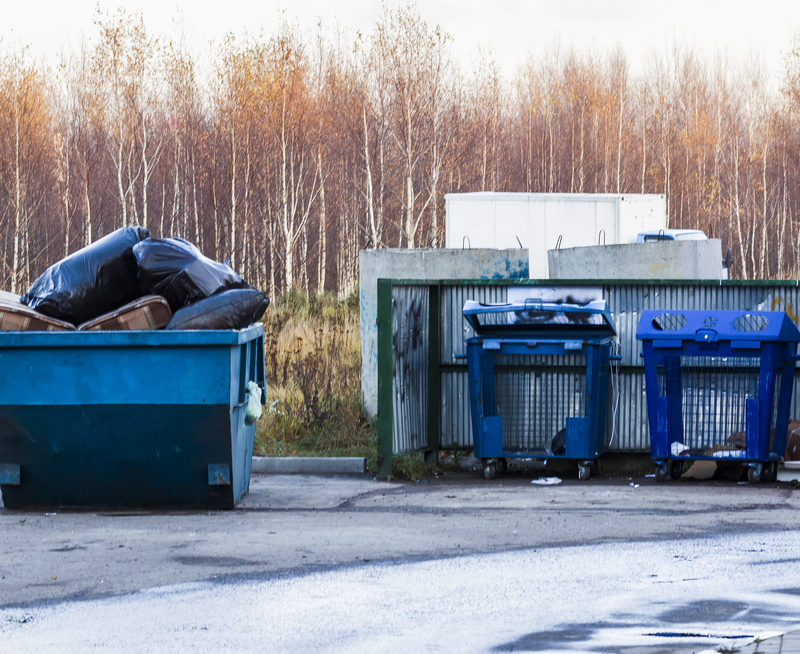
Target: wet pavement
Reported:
[(347, 564)]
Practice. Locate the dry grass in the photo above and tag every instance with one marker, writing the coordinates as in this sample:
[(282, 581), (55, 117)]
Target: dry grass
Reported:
[(313, 372)]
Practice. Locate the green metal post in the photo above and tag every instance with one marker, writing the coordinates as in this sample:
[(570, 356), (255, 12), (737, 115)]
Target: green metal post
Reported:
[(385, 410), (434, 373)]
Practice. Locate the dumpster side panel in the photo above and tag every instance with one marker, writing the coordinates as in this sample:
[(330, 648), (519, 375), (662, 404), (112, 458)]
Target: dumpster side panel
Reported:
[(45, 376), (143, 420), (115, 455), (246, 364)]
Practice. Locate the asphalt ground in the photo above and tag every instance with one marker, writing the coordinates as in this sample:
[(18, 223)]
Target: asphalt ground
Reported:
[(723, 555)]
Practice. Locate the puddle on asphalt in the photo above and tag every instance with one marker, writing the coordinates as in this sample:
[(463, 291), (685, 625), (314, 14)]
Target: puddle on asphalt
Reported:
[(704, 611), (544, 640)]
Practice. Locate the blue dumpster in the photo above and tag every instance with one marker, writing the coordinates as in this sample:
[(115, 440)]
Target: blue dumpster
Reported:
[(112, 419), (719, 386), (538, 381)]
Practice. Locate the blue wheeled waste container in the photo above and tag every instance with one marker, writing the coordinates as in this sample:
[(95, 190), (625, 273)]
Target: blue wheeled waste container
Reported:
[(538, 381), (719, 386), (138, 419)]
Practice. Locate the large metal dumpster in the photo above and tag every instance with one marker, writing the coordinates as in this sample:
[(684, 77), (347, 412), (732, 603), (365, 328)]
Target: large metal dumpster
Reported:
[(719, 387), (127, 418), (515, 412)]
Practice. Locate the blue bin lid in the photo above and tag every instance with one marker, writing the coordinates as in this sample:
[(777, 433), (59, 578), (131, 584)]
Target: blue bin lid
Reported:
[(535, 318), (709, 326)]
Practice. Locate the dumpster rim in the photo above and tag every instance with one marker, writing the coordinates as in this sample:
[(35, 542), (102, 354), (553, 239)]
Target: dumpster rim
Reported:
[(130, 338)]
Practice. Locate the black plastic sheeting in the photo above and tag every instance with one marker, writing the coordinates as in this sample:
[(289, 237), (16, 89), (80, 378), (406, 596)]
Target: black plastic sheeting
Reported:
[(92, 281), (232, 309), (178, 271)]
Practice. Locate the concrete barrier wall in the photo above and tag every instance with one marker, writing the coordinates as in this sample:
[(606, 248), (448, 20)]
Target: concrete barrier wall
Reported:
[(656, 260), (422, 264)]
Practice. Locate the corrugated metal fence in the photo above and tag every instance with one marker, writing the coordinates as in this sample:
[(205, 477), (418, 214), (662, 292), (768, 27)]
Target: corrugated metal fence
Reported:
[(422, 384)]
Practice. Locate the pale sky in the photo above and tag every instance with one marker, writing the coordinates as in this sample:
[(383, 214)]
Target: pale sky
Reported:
[(512, 29)]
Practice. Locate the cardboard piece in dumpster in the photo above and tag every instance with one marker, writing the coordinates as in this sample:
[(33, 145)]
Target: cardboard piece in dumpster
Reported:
[(90, 282), (793, 441), (149, 312), (177, 270), (15, 316), (232, 309), (701, 469)]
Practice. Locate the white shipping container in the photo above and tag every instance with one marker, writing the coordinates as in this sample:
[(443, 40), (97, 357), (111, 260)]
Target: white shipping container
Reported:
[(538, 221)]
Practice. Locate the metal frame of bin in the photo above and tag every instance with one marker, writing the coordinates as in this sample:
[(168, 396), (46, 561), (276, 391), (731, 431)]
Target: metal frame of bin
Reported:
[(719, 387), (523, 337), (137, 419)]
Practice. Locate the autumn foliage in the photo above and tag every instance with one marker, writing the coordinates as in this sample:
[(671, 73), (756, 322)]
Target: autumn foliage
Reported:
[(295, 151)]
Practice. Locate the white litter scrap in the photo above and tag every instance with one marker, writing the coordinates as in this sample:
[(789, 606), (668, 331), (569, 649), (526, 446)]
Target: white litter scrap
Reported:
[(253, 411), (729, 454), (678, 449), (546, 481)]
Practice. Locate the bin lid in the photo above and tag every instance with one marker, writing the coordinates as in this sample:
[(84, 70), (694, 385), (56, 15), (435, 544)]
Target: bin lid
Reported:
[(711, 326), (535, 318)]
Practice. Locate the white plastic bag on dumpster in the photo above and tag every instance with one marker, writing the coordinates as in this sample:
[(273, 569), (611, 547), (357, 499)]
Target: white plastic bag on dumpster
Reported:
[(253, 411)]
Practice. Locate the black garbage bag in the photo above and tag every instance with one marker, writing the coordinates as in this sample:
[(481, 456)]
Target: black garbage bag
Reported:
[(90, 282), (178, 271), (232, 309)]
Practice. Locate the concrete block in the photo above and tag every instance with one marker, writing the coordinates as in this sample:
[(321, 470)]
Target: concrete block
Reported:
[(296, 465), (420, 264), (656, 260)]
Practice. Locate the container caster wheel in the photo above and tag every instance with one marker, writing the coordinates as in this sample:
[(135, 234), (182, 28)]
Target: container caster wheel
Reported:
[(676, 469), (770, 472), (754, 473), (661, 472), (502, 466), (584, 472), (490, 471)]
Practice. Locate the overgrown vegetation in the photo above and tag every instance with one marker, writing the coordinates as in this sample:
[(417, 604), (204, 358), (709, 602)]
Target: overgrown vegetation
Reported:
[(313, 372)]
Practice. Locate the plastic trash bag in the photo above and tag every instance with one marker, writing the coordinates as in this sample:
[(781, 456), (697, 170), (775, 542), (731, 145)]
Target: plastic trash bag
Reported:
[(253, 411), (90, 282), (177, 270), (558, 444), (233, 309)]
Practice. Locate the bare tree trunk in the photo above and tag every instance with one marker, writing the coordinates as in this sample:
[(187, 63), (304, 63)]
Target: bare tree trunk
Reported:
[(763, 256), (374, 226), (737, 208), (87, 203), (18, 226), (198, 238), (233, 197), (322, 267)]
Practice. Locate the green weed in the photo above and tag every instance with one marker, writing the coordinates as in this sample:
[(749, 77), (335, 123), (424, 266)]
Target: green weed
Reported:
[(313, 372)]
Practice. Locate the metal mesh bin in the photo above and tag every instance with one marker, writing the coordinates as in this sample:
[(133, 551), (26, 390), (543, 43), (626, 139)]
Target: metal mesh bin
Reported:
[(719, 387), (538, 381)]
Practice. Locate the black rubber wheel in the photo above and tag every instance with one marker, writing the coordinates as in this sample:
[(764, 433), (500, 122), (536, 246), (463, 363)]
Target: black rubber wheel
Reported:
[(755, 473), (490, 471), (676, 469), (502, 466), (770, 472), (584, 472), (661, 472)]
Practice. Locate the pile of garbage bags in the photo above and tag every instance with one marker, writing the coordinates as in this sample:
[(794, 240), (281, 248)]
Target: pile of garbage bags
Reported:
[(128, 280)]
